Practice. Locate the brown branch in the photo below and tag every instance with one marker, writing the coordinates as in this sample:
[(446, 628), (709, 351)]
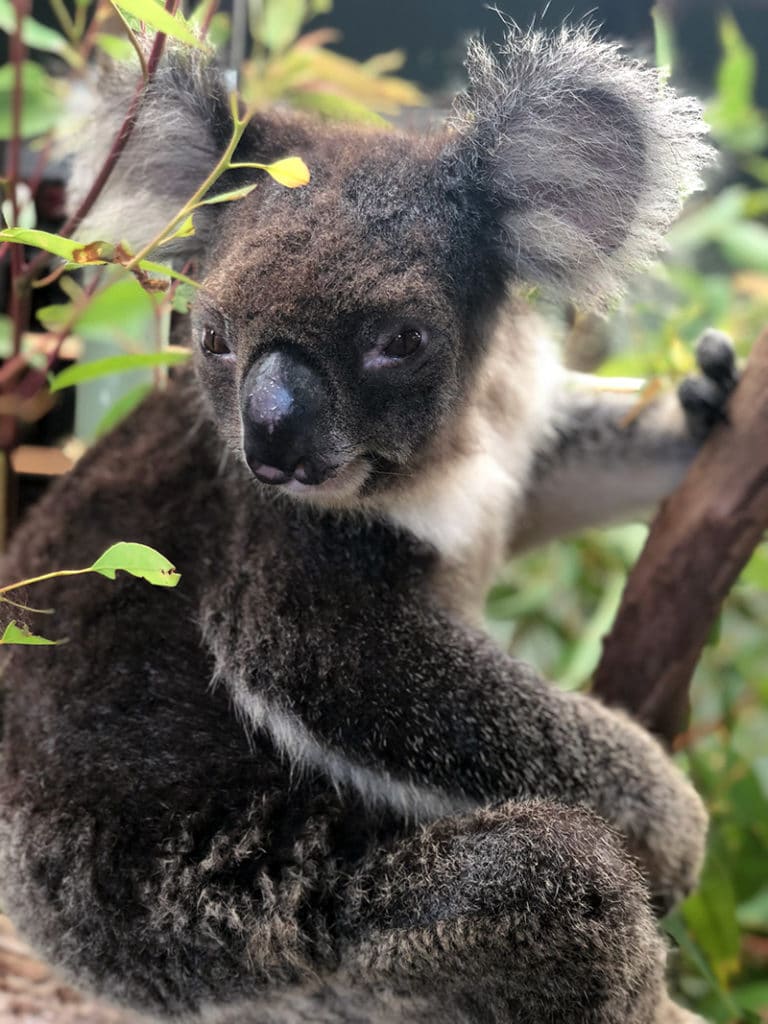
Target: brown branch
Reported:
[(699, 542)]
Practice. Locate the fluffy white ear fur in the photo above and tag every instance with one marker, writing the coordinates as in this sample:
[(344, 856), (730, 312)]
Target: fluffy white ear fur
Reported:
[(586, 154), (182, 127)]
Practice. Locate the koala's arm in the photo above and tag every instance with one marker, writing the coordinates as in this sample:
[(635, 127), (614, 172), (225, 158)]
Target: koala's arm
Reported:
[(412, 694), (609, 457)]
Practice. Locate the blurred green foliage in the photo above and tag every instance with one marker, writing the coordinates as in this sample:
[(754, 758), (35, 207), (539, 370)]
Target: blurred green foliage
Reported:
[(553, 606)]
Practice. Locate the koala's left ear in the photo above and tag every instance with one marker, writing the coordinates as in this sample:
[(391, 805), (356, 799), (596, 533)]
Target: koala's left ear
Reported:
[(583, 155)]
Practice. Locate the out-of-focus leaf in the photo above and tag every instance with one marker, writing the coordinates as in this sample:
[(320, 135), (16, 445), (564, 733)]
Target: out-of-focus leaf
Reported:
[(336, 107), (80, 372), (139, 560), (41, 106), (280, 23), (733, 115), (116, 47), (664, 39), (710, 913), (122, 310), (746, 245), (155, 16), (25, 208), (752, 914), (182, 298), (121, 408), (37, 36), (585, 653)]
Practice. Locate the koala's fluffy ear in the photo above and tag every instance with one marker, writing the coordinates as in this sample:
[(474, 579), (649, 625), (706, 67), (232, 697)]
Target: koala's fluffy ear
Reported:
[(583, 155), (184, 124)]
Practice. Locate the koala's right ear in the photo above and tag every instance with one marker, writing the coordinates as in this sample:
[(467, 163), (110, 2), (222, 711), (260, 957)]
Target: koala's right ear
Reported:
[(184, 124)]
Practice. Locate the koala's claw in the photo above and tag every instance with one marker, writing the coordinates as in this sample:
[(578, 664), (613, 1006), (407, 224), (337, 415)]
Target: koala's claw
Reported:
[(704, 398)]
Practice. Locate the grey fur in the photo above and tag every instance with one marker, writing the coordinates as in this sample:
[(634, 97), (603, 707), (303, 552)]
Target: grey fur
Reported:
[(589, 153), (305, 785)]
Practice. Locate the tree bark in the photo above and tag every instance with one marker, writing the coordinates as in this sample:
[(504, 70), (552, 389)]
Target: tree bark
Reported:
[(700, 540)]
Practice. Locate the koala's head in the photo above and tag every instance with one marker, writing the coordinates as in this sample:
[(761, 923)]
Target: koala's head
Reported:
[(339, 325)]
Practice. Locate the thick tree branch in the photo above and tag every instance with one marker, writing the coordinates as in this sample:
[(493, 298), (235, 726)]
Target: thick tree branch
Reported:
[(700, 540)]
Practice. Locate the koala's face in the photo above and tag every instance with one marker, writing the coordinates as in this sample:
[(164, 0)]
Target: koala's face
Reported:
[(333, 333), (340, 325)]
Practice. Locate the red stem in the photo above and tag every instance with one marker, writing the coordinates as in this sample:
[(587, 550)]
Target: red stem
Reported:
[(118, 145)]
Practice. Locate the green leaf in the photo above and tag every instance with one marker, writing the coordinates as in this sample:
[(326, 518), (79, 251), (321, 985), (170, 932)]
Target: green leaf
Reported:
[(81, 372), (281, 23), (163, 269), (36, 35), (752, 914), (139, 560), (183, 297), (227, 197), (711, 917), (121, 408), (155, 16), (664, 38), (40, 102), (66, 248), (338, 108), (17, 633), (116, 47), (122, 310)]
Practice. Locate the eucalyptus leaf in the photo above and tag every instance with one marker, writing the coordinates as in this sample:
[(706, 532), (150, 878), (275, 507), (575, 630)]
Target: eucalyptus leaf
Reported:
[(124, 405), (41, 107), (139, 560), (281, 23), (154, 15), (81, 372), (17, 633)]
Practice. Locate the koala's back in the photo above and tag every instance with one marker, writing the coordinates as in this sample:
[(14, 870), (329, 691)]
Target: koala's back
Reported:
[(133, 803)]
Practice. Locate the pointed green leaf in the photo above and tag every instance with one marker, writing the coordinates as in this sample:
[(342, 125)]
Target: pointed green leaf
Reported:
[(40, 102), (36, 35), (80, 372), (281, 23), (155, 16), (16, 633), (138, 560), (121, 408), (54, 244), (227, 197)]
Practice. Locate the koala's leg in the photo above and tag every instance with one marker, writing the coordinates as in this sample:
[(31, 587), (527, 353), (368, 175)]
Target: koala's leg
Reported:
[(529, 912), (609, 457)]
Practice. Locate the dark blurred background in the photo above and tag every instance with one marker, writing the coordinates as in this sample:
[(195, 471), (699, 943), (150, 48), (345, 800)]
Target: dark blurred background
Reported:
[(433, 32)]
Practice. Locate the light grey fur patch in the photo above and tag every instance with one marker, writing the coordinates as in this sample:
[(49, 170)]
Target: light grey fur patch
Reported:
[(589, 153)]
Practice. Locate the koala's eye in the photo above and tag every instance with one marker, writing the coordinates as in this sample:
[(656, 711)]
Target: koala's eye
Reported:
[(403, 344), (213, 343)]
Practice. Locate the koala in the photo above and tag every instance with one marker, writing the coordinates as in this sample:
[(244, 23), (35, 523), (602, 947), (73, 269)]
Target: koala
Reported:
[(305, 785)]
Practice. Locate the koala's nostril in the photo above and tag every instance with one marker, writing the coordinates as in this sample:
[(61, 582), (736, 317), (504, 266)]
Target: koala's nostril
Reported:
[(269, 474)]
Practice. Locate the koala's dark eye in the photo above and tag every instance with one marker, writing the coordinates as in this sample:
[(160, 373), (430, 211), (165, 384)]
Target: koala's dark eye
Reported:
[(212, 342), (404, 343)]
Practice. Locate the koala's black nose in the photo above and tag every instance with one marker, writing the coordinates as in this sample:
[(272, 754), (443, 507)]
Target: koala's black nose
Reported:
[(284, 409)]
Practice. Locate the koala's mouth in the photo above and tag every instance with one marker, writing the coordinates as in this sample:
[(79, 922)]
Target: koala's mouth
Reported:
[(342, 486)]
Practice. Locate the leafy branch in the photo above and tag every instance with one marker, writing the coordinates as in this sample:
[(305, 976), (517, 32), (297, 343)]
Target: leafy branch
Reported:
[(138, 560)]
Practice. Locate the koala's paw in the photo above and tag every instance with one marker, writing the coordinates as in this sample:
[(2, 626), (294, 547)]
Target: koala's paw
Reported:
[(704, 397)]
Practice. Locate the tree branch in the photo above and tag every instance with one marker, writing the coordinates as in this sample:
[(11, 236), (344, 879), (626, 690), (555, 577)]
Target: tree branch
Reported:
[(699, 542)]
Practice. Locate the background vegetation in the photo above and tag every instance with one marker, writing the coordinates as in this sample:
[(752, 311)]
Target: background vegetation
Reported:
[(553, 606)]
